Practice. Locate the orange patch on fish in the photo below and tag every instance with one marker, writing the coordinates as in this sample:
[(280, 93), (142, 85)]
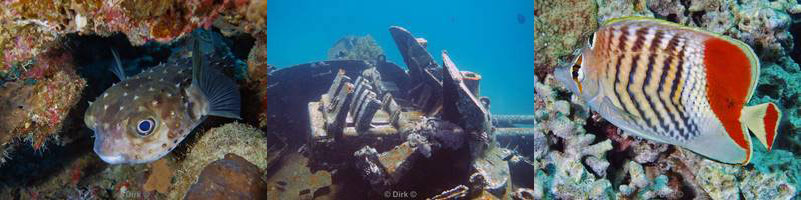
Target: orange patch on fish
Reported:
[(771, 119), (728, 78)]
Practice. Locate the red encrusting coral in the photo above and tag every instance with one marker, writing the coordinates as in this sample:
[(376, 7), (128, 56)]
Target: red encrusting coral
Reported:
[(47, 89), (32, 27)]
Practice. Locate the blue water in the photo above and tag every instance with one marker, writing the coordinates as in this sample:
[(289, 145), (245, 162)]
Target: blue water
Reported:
[(480, 36)]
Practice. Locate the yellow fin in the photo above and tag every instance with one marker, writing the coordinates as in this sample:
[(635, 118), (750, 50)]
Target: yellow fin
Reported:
[(763, 120)]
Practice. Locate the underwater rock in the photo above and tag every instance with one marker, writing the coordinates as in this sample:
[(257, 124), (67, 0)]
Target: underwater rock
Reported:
[(758, 185), (560, 27), (609, 9), (762, 24), (160, 177), (32, 27), (646, 151), (355, 48), (718, 180), (561, 176), (781, 82), (232, 177), (256, 83), (241, 139), (34, 106), (640, 187)]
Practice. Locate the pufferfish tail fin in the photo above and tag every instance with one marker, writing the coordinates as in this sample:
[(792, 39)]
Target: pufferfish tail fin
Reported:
[(221, 92), (763, 120)]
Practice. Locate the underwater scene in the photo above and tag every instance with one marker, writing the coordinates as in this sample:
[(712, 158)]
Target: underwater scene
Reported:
[(128, 99), (665, 99), (400, 100), (359, 99)]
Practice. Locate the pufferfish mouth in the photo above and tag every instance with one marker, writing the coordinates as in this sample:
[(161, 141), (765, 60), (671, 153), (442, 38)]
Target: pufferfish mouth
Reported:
[(107, 156)]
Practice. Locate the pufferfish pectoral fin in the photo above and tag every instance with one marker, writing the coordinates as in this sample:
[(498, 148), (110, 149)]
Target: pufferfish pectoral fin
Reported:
[(221, 92), (763, 120), (624, 120)]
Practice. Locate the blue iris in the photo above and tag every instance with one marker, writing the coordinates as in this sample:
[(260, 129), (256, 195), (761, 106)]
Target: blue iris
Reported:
[(145, 127)]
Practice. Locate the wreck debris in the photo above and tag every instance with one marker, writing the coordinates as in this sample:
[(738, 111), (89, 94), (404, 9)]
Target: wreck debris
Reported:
[(388, 119), (455, 193), (423, 71), (296, 180)]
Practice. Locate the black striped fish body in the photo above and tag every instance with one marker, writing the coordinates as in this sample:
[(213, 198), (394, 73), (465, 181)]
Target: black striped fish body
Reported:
[(676, 85)]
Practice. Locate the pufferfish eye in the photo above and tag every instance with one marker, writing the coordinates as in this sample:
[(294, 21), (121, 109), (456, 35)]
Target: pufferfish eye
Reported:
[(145, 127)]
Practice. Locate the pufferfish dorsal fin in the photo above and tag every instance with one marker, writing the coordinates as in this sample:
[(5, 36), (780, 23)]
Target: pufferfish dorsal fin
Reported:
[(117, 67), (221, 92)]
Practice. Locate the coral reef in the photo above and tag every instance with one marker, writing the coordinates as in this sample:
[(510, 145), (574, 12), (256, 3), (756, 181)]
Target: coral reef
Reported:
[(227, 178), (641, 187), (35, 103), (560, 175), (608, 9), (355, 48), (258, 71), (559, 28), (32, 27), (642, 169)]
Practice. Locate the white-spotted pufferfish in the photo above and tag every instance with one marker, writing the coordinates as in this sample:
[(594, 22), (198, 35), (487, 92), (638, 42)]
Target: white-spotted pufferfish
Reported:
[(674, 84), (144, 117)]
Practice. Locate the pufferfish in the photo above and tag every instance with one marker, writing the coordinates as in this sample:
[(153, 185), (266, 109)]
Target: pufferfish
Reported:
[(144, 117), (676, 85)]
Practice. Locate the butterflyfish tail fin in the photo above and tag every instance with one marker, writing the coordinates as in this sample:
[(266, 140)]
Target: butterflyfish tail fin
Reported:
[(763, 120)]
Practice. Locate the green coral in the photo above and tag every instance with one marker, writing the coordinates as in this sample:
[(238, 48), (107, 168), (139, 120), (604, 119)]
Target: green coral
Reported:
[(355, 48)]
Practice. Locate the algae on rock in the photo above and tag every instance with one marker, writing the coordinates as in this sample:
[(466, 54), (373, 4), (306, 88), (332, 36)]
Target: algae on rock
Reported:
[(237, 138)]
